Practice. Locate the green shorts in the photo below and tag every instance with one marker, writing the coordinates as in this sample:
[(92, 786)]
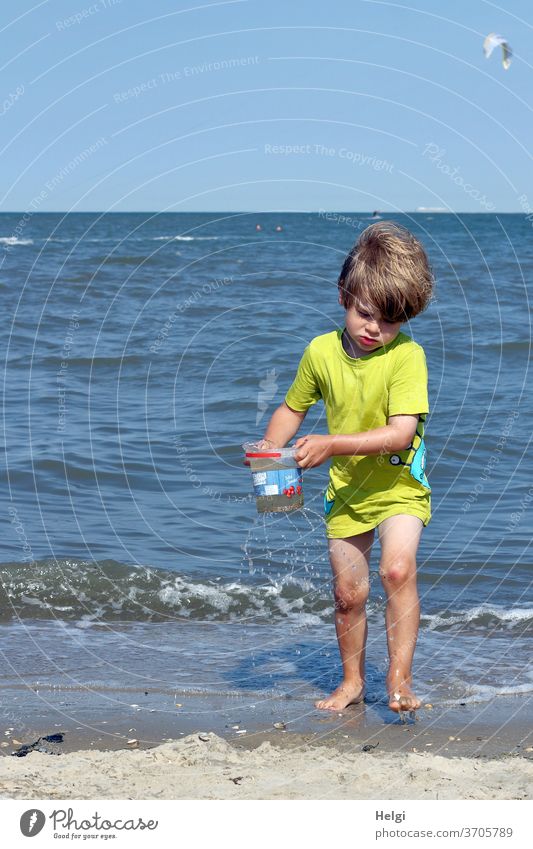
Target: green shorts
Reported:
[(355, 513)]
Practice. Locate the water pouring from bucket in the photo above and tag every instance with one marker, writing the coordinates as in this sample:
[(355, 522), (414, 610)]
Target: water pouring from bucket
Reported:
[(276, 476)]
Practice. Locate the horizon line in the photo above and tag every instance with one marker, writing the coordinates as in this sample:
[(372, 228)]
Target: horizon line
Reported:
[(427, 211)]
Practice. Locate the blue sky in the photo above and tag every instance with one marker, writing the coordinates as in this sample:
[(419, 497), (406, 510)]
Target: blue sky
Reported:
[(252, 105)]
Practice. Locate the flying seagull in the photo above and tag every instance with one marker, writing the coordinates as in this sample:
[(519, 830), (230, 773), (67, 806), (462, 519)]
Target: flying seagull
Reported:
[(492, 41)]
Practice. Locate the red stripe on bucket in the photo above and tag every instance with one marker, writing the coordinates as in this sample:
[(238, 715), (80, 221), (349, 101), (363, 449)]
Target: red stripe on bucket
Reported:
[(263, 454)]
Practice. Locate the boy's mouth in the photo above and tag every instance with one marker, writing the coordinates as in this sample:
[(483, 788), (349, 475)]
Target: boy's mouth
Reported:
[(367, 341)]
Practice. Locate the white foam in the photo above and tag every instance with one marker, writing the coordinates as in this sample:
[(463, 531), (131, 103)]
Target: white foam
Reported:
[(175, 594), (12, 240), (486, 692), (184, 238), (229, 599), (516, 614)]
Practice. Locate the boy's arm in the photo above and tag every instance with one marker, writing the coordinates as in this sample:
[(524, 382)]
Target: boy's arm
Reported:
[(397, 435), (303, 392), (283, 425)]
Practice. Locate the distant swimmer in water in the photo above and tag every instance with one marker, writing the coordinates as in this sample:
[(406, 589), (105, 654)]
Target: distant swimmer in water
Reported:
[(376, 214), (258, 227), (279, 228)]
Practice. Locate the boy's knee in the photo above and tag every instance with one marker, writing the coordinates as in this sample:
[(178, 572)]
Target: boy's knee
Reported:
[(398, 571), (351, 596)]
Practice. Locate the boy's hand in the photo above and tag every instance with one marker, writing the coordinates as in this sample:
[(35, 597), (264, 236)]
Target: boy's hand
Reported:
[(262, 445), (312, 450)]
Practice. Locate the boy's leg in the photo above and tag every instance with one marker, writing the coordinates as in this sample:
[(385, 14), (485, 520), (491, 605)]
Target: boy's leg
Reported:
[(349, 560), (399, 537)]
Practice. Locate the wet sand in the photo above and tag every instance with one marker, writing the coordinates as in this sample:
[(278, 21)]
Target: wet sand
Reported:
[(188, 744)]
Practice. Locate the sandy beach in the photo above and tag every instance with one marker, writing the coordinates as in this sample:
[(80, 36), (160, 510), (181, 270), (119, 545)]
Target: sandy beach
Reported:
[(227, 220), (208, 767), (227, 747)]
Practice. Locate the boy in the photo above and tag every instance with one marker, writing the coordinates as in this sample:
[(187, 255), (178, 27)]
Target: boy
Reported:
[(373, 381)]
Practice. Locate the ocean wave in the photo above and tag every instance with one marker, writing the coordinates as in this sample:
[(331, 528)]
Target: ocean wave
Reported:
[(110, 591), (95, 362), (185, 238), (82, 239), (483, 617), (12, 240), (92, 592), (486, 692), (113, 240)]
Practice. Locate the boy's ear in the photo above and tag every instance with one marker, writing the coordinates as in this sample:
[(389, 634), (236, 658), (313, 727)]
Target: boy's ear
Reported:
[(340, 298)]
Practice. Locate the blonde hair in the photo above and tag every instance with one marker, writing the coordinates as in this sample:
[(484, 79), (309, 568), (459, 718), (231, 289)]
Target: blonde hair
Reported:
[(388, 269)]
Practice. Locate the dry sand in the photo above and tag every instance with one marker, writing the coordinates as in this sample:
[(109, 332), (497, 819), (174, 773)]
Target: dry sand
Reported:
[(213, 768)]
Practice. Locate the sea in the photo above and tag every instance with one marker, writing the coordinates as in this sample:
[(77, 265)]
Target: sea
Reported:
[(140, 351)]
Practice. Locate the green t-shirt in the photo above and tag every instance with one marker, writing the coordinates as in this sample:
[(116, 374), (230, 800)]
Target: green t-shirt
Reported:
[(359, 395)]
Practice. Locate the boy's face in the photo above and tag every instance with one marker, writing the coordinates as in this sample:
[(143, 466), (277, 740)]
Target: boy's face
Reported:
[(367, 329)]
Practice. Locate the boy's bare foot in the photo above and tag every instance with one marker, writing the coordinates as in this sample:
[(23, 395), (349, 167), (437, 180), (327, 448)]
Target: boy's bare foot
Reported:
[(347, 693), (401, 697)]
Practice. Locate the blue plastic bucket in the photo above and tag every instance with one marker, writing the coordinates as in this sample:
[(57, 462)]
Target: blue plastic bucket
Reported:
[(277, 479)]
